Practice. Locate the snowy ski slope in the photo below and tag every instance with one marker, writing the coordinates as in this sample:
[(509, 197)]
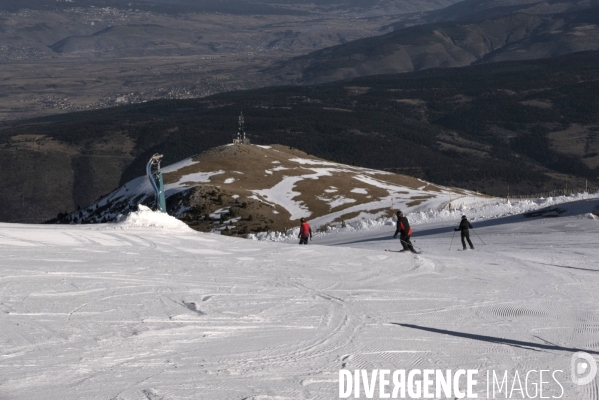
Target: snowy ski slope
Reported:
[(149, 309)]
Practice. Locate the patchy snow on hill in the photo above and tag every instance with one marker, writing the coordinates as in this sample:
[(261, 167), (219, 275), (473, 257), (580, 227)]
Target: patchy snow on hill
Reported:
[(187, 162), (291, 182), (190, 179)]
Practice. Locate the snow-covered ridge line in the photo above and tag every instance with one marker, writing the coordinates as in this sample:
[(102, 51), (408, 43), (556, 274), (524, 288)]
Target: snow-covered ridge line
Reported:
[(483, 210)]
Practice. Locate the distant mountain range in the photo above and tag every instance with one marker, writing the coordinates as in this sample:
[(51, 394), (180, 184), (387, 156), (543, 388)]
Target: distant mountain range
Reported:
[(61, 56), (515, 36), (90, 54), (478, 10)]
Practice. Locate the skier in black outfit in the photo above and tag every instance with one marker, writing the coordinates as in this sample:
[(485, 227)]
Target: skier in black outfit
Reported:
[(404, 230), (465, 233)]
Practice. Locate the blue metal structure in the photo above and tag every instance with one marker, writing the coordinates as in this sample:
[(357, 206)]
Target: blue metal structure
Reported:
[(156, 181)]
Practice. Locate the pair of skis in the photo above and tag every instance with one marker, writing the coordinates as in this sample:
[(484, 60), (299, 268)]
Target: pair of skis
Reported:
[(419, 252), (405, 250)]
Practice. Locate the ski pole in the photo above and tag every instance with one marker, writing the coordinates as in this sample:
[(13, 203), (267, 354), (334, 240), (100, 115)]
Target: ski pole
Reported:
[(478, 236), (452, 236)]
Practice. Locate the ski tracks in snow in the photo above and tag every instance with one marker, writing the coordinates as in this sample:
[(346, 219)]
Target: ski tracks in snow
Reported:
[(146, 314)]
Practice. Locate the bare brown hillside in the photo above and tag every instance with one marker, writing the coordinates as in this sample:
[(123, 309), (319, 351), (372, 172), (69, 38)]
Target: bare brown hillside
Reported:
[(242, 189)]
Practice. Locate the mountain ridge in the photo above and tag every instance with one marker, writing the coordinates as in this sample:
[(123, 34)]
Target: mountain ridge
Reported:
[(516, 36), (477, 10)]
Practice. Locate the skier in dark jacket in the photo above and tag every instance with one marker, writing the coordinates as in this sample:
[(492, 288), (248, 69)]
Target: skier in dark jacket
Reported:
[(404, 230), (305, 232), (464, 227)]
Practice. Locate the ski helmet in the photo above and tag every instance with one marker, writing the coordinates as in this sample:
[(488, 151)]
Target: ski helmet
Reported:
[(463, 217)]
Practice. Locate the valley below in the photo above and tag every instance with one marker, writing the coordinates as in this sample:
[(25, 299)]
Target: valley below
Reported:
[(90, 58)]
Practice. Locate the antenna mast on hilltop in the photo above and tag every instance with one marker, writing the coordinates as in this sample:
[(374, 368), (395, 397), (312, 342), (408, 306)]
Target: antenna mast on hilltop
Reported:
[(241, 139), (240, 129)]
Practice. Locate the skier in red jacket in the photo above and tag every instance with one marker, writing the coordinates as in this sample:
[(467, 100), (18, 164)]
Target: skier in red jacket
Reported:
[(305, 232), (405, 231)]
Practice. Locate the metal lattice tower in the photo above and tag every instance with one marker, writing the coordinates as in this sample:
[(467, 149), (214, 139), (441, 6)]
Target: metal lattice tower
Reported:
[(240, 129)]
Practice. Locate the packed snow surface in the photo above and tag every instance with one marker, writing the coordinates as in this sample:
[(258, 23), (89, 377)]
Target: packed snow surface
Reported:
[(146, 218), (143, 309)]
